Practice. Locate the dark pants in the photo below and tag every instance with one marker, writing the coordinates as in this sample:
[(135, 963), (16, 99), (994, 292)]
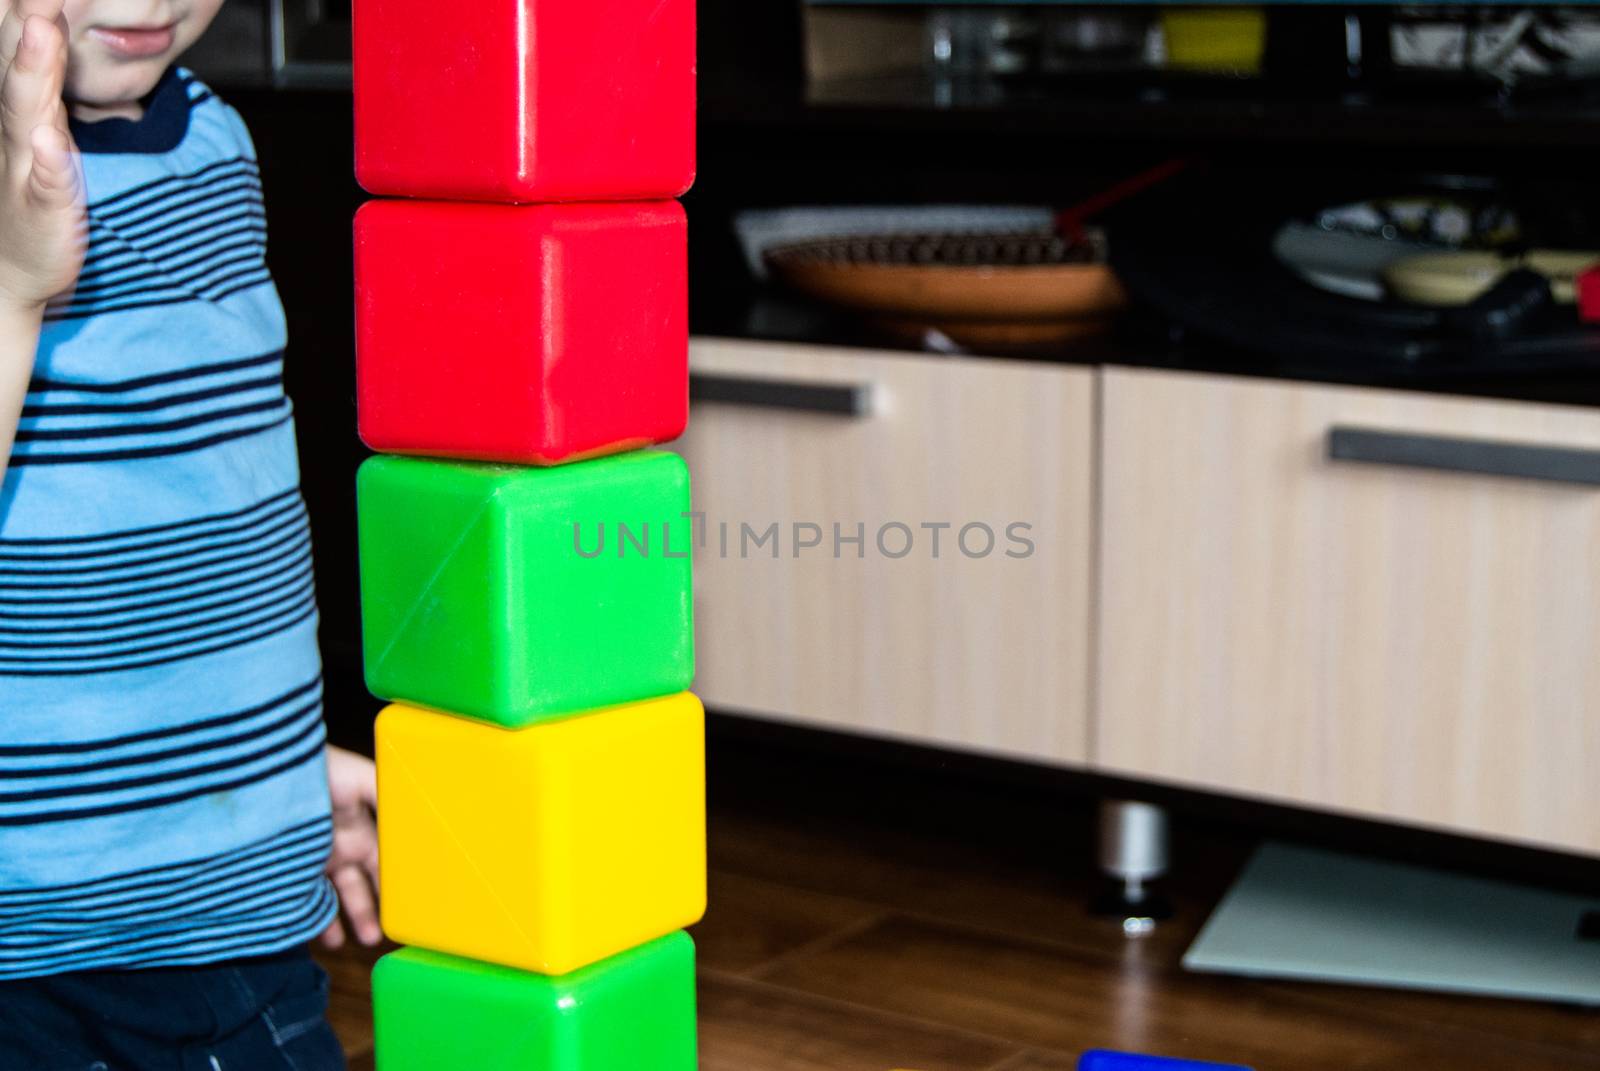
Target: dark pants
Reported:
[(248, 1015)]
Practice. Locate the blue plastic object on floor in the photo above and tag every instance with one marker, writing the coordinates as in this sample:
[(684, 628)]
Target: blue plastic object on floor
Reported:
[(1101, 1060)]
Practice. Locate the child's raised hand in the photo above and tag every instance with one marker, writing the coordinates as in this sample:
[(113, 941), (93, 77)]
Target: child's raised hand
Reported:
[(42, 224)]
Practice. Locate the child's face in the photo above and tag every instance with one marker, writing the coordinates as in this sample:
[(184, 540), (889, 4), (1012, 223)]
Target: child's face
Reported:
[(119, 48)]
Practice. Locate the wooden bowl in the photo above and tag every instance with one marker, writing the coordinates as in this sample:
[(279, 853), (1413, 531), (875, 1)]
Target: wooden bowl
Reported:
[(1034, 287)]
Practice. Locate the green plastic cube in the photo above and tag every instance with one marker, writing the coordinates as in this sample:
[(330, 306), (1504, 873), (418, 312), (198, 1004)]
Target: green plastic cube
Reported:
[(632, 1012), (514, 594)]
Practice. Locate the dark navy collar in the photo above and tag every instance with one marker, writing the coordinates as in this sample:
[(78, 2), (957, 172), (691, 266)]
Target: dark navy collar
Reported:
[(165, 122)]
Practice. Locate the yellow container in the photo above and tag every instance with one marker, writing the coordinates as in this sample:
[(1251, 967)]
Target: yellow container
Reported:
[(1227, 40)]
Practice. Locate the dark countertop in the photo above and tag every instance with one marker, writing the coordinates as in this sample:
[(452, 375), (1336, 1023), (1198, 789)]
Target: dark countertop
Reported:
[(776, 317), (1212, 111)]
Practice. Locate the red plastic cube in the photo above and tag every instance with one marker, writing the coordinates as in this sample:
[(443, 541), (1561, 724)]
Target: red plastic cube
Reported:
[(528, 334), (1588, 286), (525, 100)]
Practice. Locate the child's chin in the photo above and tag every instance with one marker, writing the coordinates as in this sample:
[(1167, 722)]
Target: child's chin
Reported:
[(126, 83)]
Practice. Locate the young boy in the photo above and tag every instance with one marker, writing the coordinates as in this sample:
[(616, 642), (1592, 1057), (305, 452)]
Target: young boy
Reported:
[(165, 831)]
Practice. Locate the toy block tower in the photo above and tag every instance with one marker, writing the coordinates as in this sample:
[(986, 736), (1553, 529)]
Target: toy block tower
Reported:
[(522, 343)]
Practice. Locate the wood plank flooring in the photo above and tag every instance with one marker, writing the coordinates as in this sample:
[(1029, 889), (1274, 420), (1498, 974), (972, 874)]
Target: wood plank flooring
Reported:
[(865, 919)]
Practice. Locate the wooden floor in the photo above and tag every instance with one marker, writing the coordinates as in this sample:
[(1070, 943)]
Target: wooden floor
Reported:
[(865, 919)]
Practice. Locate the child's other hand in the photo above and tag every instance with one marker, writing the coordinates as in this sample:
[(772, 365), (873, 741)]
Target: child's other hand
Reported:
[(353, 866), (43, 229)]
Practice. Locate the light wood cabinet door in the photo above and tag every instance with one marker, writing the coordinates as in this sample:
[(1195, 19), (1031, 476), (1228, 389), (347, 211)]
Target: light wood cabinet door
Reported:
[(1381, 639), (986, 651)]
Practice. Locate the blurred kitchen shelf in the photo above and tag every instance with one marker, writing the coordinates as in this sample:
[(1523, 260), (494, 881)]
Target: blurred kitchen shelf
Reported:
[(1210, 111), (773, 316), (1180, 114)]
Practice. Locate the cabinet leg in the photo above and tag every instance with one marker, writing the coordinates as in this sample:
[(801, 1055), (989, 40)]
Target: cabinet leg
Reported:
[(1133, 853)]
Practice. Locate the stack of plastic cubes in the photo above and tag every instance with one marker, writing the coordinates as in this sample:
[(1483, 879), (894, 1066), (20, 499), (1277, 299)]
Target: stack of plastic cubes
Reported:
[(521, 344)]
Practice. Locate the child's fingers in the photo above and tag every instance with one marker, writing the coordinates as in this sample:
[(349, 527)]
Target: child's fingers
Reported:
[(30, 95), (49, 10), (366, 782), (355, 896), (43, 50), (10, 34), (333, 936), (15, 16), (53, 181)]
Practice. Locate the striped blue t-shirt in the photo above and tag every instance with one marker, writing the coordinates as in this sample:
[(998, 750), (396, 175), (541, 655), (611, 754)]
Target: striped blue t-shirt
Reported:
[(163, 798)]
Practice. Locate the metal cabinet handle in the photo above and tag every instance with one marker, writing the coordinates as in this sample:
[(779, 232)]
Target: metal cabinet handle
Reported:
[(1558, 464), (839, 399)]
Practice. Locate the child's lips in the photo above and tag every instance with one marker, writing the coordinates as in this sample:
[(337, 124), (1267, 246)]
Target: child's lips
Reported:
[(136, 42)]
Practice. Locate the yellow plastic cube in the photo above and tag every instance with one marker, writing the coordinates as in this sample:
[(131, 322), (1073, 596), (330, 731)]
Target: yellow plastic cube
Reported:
[(546, 848)]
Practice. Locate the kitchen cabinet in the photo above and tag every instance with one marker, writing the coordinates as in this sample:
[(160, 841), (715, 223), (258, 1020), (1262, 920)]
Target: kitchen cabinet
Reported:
[(1409, 631), (1377, 638), (980, 647)]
